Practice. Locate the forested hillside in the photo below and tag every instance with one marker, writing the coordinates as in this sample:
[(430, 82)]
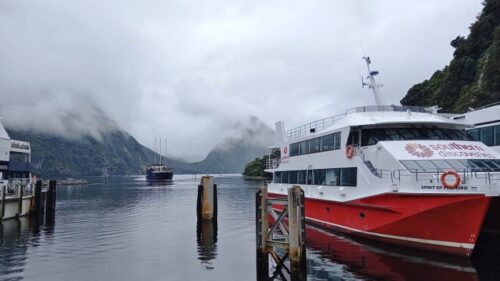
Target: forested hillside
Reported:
[(472, 79)]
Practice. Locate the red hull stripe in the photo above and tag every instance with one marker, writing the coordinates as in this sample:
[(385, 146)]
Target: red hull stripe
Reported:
[(409, 239)]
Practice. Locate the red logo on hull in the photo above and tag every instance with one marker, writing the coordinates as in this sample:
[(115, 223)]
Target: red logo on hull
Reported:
[(419, 150)]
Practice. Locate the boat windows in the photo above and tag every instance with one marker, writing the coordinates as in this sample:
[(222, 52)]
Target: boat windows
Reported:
[(302, 177), (277, 177), (285, 177), (427, 165), (294, 149), (372, 136), (353, 138), (442, 164), (302, 147), (411, 165), (310, 177), (319, 177), (336, 138), (475, 134), (497, 134), (432, 166), (332, 177), (327, 143), (329, 177), (315, 145), (348, 177), (488, 135), (457, 164), (292, 177)]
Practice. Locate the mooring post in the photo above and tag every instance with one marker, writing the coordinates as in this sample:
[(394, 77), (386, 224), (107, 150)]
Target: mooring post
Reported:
[(296, 238), (262, 226), (20, 202), (38, 198), (51, 200), (4, 189), (207, 200)]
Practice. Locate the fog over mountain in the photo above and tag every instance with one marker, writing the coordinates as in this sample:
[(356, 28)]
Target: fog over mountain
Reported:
[(190, 70)]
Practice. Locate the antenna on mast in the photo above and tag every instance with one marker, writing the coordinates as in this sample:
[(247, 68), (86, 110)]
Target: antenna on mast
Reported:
[(155, 150), (372, 83)]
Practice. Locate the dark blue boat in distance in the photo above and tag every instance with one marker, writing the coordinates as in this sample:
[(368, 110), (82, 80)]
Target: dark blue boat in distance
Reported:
[(159, 172)]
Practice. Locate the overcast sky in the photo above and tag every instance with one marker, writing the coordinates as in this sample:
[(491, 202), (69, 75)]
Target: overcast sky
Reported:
[(189, 70)]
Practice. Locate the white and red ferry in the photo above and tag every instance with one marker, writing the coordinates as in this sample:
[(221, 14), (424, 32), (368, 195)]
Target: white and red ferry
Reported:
[(399, 174)]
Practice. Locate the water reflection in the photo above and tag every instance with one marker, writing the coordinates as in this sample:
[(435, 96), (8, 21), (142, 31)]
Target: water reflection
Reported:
[(206, 237), (129, 230), (159, 182), (15, 239), (334, 257)]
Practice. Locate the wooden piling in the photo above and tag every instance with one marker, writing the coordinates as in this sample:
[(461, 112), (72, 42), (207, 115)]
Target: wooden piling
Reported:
[(20, 202), (207, 199), (296, 230), (262, 227), (38, 199), (4, 190), (50, 205), (290, 239)]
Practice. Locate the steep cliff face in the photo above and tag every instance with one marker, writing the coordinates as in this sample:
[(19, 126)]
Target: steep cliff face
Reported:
[(472, 78)]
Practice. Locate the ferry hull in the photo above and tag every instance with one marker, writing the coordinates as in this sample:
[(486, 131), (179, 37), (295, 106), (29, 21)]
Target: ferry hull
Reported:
[(442, 223), (159, 176)]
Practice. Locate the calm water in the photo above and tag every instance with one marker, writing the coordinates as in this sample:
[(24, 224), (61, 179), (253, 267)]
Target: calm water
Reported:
[(129, 230)]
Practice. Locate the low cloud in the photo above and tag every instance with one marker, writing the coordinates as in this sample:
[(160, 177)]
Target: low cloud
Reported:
[(189, 71)]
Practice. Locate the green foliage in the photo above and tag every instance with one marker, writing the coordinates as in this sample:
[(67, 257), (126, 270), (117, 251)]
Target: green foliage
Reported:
[(472, 79), (256, 167)]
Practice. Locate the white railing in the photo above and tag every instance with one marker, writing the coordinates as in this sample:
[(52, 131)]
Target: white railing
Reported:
[(312, 127), (318, 125), (488, 176), (272, 163)]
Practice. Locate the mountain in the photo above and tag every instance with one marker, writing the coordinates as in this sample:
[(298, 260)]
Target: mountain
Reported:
[(84, 143), (115, 153), (250, 139), (472, 79), (112, 151)]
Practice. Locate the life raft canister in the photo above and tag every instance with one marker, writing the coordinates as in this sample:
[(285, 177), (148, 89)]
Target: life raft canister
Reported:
[(349, 151), (453, 184)]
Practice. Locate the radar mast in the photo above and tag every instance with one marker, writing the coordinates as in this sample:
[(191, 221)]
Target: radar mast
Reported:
[(373, 84)]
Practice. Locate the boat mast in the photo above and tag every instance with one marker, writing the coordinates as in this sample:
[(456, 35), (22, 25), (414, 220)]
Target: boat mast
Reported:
[(165, 150), (155, 151), (373, 84), (160, 151)]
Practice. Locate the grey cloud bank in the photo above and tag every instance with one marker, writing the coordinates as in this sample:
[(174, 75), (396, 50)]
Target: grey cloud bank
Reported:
[(190, 70)]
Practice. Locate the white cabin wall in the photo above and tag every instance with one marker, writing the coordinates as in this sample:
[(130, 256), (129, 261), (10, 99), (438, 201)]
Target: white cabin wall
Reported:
[(483, 115), (4, 149), (380, 158)]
